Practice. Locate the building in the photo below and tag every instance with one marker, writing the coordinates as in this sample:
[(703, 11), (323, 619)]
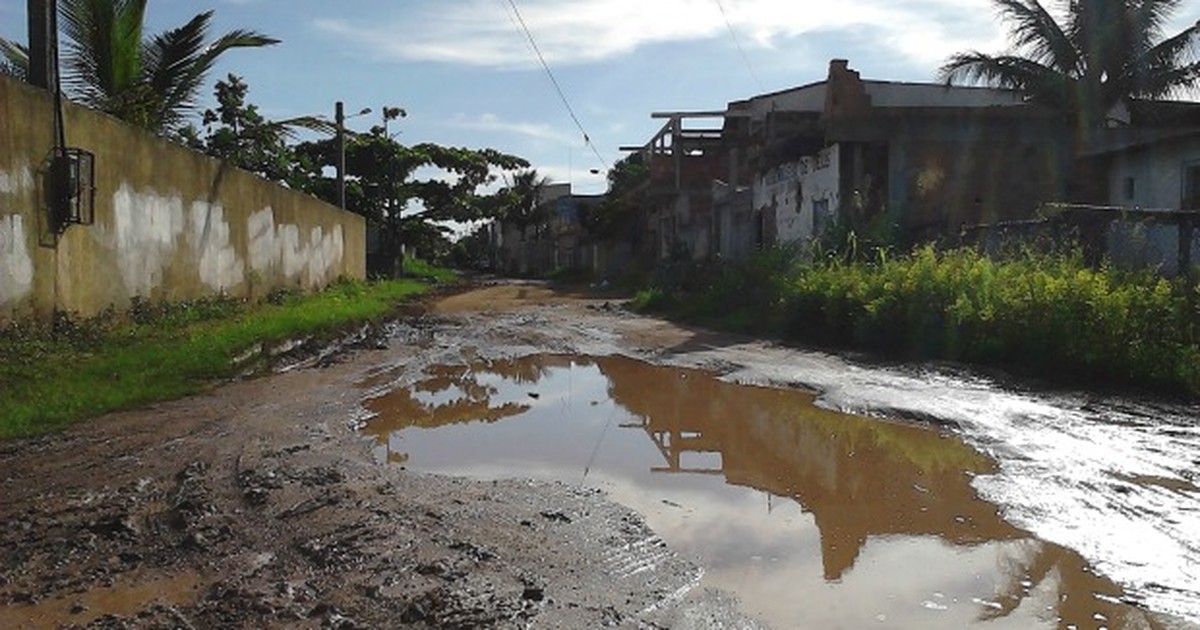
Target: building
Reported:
[(1145, 202), (558, 242), (897, 162)]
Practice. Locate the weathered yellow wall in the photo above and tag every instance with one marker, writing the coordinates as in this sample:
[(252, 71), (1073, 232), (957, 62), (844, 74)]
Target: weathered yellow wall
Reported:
[(169, 223)]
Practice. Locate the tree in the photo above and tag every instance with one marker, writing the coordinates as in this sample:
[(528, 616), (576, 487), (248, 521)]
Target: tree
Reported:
[(521, 201), (236, 132), (381, 185), (1087, 56), (151, 82), (14, 59), (611, 218)]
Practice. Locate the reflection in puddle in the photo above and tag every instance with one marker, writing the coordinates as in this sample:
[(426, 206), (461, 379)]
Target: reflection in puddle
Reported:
[(814, 518)]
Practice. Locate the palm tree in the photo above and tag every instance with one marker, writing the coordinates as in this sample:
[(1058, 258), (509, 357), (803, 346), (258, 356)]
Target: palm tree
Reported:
[(524, 201), (14, 59), (151, 82), (1086, 56)]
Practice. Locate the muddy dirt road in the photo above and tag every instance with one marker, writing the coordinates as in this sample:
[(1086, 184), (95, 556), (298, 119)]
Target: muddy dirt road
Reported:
[(608, 471)]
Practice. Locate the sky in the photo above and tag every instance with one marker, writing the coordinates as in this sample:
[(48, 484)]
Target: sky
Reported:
[(468, 76)]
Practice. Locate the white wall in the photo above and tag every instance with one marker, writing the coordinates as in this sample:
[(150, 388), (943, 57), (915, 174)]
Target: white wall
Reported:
[(795, 189)]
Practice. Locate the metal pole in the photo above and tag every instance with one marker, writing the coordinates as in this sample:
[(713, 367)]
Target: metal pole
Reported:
[(339, 117), (43, 57), (1185, 226)]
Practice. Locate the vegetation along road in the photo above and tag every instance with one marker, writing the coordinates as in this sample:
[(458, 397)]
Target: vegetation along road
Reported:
[(514, 456)]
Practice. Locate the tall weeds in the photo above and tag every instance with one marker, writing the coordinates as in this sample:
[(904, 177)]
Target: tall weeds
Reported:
[(1042, 314)]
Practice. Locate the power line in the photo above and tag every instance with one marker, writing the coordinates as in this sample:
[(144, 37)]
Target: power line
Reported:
[(557, 88), (738, 43)]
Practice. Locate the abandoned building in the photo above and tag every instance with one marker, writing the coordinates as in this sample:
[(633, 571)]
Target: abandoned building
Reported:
[(558, 242), (896, 162)]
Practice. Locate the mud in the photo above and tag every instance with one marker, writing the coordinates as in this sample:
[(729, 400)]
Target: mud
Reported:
[(259, 504)]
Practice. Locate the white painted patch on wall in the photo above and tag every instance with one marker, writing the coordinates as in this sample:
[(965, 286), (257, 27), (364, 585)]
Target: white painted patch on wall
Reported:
[(147, 227), (324, 253), (219, 265), (311, 259), (17, 181), (261, 228), (16, 265)]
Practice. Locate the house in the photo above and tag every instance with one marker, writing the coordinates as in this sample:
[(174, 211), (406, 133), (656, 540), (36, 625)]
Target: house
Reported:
[(558, 242), (1146, 195), (896, 161)]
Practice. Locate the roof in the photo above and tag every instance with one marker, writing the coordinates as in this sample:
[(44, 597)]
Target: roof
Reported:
[(1120, 139)]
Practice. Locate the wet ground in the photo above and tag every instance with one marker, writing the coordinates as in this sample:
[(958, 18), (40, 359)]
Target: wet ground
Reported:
[(813, 518), (679, 479)]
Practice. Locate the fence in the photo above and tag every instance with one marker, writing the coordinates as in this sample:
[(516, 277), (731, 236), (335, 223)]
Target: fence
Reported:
[(1129, 238)]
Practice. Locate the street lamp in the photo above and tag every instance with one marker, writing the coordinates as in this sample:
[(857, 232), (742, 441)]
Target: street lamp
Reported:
[(339, 117)]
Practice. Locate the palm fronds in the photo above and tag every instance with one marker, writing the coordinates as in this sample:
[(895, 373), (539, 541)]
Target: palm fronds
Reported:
[(1086, 56)]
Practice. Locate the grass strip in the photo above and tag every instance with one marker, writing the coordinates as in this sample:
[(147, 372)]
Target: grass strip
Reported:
[(56, 374)]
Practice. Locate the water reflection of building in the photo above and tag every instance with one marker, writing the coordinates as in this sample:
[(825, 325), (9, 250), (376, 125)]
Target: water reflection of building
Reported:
[(860, 478)]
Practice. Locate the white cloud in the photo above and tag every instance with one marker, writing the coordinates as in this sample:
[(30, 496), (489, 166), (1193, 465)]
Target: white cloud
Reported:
[(534, 131), (485, 32)]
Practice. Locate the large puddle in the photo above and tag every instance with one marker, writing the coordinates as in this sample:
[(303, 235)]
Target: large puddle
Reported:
[(813, 518)]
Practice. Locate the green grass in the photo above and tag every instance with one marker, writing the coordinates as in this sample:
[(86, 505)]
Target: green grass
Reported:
[(417, 268), (54, 375), (1044, 315)]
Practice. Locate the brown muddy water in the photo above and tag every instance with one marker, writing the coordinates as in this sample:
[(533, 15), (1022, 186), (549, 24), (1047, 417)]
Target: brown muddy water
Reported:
[(813, 518)]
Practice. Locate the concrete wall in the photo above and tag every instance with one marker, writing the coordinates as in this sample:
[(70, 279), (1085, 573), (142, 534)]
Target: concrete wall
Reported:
[(890, 94), (169, 223), (955, 169), (803, 194), (1157, 174)]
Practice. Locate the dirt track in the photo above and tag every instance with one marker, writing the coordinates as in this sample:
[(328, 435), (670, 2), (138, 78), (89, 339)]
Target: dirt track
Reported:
[(258, 505)]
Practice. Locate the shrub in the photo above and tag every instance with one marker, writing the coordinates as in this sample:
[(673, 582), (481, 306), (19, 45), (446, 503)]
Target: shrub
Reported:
[(1042, 314)]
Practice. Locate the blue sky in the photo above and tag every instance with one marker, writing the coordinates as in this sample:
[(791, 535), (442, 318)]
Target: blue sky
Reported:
[(467, 75)]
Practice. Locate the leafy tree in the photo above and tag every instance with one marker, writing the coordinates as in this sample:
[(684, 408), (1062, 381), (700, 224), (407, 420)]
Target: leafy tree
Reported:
[(474, 250), (1087, 56), (235, 131), (383, 186), (151, 82), (611, 218)]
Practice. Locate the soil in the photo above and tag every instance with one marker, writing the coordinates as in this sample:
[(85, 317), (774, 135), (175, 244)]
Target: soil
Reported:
[(259, 505)]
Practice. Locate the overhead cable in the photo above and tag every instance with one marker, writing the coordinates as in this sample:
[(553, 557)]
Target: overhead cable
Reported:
[(557, 88), (738, 43)]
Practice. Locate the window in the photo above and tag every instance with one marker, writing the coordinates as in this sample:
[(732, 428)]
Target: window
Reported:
[(1191, 187), (821, 216)]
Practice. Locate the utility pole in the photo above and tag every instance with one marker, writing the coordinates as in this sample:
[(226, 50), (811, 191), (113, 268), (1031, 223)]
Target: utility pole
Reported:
[(339, 117), (43, 44)]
